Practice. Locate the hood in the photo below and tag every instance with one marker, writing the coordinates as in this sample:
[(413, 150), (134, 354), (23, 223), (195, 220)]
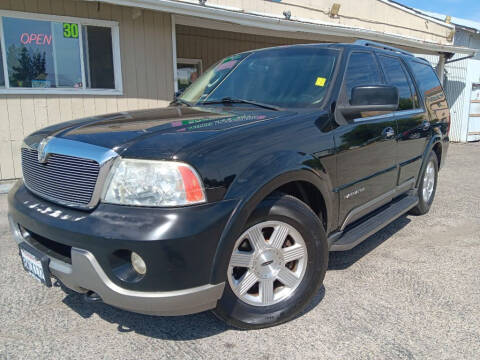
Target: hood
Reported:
[(169, 129)]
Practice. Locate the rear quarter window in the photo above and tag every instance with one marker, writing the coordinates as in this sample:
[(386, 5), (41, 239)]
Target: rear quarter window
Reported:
[(431, 91)]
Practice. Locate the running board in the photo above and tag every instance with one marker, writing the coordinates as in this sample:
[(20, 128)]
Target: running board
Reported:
[(354, 235)]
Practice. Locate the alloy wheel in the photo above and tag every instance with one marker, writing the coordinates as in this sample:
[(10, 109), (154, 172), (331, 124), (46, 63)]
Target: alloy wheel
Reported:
[(428, 182), (268, 263)]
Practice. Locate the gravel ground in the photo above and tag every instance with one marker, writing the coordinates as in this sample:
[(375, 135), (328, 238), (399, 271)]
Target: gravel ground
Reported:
[(410, 291)]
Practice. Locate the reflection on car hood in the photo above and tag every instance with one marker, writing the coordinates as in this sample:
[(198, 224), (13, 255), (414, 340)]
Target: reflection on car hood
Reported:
[(168, 129)]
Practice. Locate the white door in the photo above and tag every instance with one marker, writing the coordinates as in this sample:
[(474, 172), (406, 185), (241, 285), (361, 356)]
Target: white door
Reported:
[(474, 114)]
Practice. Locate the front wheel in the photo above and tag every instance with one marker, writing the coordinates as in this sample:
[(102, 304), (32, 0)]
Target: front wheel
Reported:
[(427, 186), (277, 265)]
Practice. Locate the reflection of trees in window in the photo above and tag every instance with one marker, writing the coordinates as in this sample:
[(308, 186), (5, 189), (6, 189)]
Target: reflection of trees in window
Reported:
[(405, 104), (28, 66)]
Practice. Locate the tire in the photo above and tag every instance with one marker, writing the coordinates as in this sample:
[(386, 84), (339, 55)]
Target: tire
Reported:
[(426, 187), (276, 218)]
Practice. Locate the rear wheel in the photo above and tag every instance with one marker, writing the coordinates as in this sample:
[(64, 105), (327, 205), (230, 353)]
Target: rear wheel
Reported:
[(276, 266), (427, 186)]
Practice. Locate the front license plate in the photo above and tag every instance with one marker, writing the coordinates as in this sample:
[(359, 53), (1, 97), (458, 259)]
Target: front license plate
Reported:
[(35, 263)]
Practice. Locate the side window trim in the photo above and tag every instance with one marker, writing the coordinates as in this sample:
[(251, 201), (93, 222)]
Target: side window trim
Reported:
[(375, 117)]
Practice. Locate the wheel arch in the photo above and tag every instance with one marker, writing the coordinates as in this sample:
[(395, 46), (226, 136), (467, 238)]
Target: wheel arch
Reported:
[(301, 181), (435, 145)]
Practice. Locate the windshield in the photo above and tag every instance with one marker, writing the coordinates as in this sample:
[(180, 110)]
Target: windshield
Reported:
[(284, 77)]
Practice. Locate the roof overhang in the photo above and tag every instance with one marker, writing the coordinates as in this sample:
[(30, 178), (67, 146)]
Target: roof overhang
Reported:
[(294, 25)]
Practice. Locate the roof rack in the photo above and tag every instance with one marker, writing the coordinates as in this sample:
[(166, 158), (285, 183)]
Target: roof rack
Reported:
[(382, 46)]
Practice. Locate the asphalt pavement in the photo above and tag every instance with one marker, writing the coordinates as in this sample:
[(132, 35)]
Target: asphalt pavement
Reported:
[(410, 291)]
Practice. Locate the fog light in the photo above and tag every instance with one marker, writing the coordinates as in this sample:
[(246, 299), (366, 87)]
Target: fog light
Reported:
[(138, 263)]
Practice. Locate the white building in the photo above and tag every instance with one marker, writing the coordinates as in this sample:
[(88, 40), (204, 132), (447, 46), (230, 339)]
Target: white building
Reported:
[(462, 79)]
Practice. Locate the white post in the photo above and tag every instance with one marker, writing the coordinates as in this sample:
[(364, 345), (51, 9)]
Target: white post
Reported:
[(174, 51), (441, 67)]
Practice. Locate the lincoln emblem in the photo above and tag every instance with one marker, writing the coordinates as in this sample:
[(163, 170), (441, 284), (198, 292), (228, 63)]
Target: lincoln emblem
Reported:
[(41, 150)]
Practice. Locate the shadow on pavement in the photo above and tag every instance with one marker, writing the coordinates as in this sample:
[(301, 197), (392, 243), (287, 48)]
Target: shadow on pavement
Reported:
[(341, 260), (197, 326), (179, 328)]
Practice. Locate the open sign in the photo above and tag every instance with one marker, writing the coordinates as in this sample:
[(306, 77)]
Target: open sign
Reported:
[(35, 38)]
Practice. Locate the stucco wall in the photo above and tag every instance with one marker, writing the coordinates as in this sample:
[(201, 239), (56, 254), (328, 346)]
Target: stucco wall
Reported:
[(147, 63), (376, 15)]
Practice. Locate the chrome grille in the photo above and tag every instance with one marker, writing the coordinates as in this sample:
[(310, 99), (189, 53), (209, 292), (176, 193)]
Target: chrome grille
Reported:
[(65, 179)]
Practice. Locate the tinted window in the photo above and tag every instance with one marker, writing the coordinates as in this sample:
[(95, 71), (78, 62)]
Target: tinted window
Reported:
[(429, 86), (362, 70), (396, 76), (99, 57), (286, 77), (425, 77)]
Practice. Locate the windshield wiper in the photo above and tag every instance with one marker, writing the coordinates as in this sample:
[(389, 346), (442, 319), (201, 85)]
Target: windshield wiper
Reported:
[(229, 100)]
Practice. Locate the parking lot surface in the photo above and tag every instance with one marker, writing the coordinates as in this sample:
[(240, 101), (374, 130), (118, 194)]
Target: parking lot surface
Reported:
[(409, 291)]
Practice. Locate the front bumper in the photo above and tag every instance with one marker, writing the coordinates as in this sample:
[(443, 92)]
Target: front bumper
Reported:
[(172, 287)]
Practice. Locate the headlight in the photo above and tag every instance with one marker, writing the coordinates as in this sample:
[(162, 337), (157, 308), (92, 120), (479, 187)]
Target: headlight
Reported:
[(153, 183)]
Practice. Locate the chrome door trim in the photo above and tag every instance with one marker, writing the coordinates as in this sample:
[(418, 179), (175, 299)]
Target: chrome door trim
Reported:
[(409, 112), (103, 156), (354, 213), (391, 114), (377, 117)]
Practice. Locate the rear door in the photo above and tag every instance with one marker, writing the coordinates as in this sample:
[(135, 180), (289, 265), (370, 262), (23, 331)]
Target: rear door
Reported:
[(435, 115), (412, 121), (365, 143)]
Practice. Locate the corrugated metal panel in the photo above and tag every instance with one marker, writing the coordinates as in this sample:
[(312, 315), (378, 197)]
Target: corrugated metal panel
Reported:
[(458, 93)]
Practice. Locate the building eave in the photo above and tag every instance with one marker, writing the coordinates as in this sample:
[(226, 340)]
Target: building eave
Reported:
[(295, 25)]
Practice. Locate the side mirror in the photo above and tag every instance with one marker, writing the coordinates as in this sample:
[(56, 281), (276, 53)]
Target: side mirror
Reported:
[(372, 98)]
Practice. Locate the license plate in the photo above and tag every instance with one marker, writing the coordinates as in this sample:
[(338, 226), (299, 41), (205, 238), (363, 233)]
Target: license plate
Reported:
[(35, 263)]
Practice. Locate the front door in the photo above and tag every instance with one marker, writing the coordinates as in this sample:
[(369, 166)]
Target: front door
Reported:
[(365, 145)]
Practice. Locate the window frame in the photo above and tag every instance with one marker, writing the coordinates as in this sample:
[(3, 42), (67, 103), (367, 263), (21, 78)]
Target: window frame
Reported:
[(117, 66), (187, 61)]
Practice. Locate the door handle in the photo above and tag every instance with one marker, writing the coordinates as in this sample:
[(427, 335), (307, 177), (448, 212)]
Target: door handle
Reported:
[(388, 133)]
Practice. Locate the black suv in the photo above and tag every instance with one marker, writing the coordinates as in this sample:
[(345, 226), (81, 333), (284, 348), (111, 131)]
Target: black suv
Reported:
[(231, 198)]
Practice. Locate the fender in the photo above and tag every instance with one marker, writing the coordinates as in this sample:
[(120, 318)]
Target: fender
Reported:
[(254, 184), (436, 139)]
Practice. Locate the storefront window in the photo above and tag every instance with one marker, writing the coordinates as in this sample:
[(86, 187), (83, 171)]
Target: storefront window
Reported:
[(98, 57), (188, 70), (43, 54)]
